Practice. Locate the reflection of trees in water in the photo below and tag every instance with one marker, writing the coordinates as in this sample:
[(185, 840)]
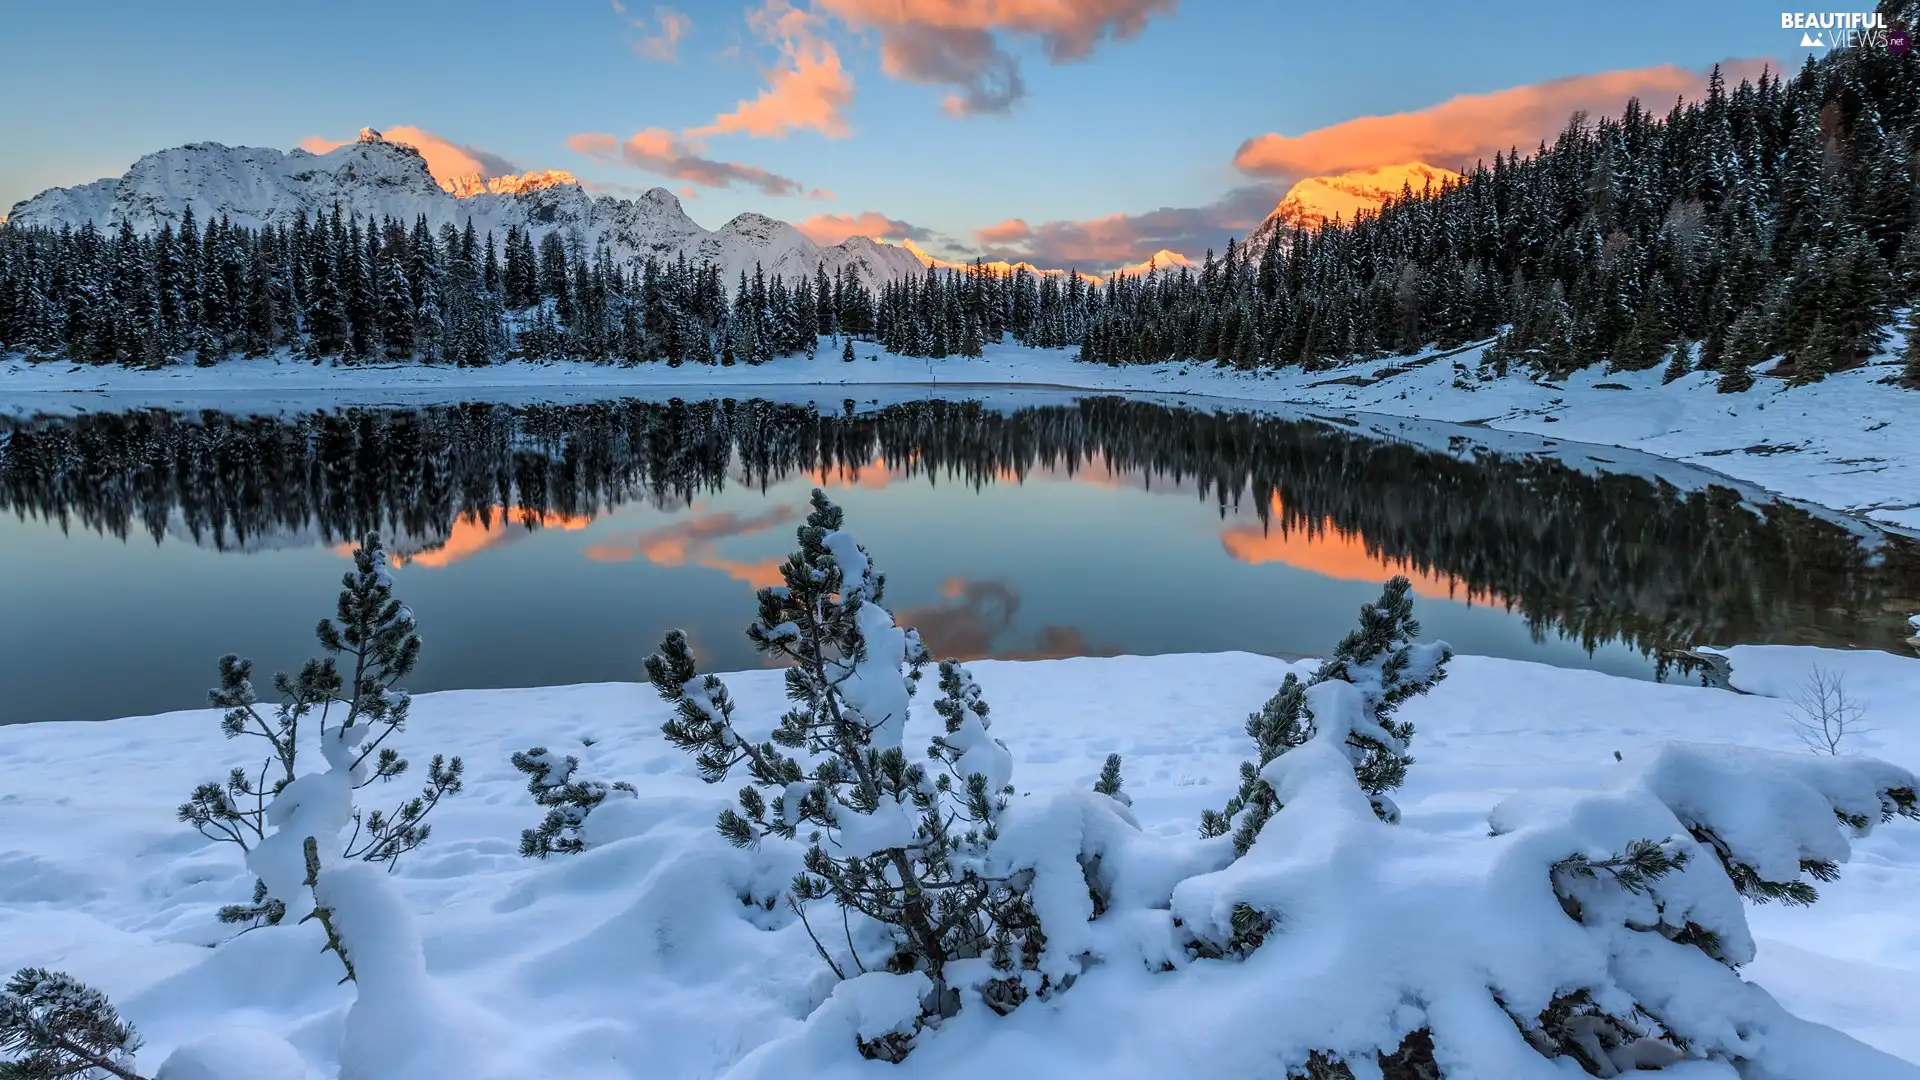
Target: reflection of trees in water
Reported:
[(1601, 558)]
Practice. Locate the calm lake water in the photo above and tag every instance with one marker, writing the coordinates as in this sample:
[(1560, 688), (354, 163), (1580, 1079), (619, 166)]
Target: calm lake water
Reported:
[(555, 544)]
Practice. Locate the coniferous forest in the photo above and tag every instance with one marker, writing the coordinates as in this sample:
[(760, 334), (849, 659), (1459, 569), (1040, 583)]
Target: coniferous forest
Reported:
[(1775, 219)]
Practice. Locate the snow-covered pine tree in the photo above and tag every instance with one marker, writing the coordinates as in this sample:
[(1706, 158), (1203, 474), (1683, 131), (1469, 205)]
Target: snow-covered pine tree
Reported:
[(1452, 959), (375, 635), (55, 1027), (569, 799), (1382, 662), (886, 837)]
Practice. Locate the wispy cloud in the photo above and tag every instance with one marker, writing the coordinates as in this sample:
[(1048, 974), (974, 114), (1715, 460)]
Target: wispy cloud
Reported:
[(659, 151), (657, 38), (446, 159), (808, 90), (958, 43), (1468, 128)]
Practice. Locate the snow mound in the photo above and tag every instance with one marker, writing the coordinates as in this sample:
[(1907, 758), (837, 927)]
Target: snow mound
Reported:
[(239, 1053)]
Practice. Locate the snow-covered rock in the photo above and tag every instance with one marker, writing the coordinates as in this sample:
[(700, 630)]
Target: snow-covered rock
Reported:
[(375, 177)]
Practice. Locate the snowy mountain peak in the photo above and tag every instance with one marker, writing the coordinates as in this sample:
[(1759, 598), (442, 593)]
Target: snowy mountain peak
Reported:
[(375, 177), (1316, 200)]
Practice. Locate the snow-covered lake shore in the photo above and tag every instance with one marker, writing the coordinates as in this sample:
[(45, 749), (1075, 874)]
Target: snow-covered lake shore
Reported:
[(1848, 443), (620, 961)]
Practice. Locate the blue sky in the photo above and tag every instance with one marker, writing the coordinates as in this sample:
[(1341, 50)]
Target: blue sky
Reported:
[(1145, 110)]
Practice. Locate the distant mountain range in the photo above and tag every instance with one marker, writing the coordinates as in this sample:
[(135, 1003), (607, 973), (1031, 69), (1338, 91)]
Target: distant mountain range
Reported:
[(375, 177)]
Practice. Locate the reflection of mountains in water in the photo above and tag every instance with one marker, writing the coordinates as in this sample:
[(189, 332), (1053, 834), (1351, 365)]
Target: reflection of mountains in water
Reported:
[(1597, 556)]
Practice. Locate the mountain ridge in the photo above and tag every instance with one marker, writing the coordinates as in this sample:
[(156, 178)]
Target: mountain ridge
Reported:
[(376, 177)]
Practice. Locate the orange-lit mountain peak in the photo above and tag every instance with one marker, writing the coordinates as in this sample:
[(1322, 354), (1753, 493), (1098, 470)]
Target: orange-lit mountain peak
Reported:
[(1163, 260), (1319, 199), (468, 185)]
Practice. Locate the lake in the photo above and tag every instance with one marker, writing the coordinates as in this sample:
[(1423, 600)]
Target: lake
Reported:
[(548, 544)]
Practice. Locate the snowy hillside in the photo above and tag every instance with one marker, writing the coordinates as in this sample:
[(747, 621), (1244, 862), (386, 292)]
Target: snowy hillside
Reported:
[(373, 177)]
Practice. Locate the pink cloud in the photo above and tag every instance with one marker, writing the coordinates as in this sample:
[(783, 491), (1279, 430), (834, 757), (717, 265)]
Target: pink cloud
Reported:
[(808, 91), (1129, 242), (658, 151), (957, 43), (1461, 130), (829, 229)]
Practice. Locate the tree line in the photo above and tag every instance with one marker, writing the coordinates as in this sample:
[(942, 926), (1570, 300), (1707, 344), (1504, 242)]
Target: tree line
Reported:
[(343, 288), (1776, 219)]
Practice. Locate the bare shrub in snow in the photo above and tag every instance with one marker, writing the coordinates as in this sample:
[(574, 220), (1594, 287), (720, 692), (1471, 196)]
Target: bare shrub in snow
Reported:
[(1381, 659), (902, 844), (552, 781), (372, 635), (1824, 717), (55, 1027)]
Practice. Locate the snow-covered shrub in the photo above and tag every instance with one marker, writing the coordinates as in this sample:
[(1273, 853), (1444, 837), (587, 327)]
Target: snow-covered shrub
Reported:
[(1601, 929), (374, 636), (569, 799), (55, 1027), (906, 846), (1380, 660)]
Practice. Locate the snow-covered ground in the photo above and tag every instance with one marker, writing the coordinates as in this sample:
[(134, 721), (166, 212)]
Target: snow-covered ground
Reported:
[(637, 959), (1848, 443)]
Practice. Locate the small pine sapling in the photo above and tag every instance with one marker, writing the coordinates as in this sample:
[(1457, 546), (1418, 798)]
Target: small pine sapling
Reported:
[(1109, 782), (551, 780), (1379, 658), (374, 636), (885, 836), (54, 1027)]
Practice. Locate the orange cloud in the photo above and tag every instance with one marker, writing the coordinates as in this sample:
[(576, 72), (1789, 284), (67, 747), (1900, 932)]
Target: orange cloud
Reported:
[(658, 151), (829, 229), (447, 160), (1472, 127), (659, 40), (696, 541), (474, 533), (1325, 550), (809, 91), (956, 43)]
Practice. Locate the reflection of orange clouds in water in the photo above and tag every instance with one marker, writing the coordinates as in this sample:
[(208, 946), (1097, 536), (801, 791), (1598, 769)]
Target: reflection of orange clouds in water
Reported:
[(696, 541), (474, 533), (1325, 550)]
